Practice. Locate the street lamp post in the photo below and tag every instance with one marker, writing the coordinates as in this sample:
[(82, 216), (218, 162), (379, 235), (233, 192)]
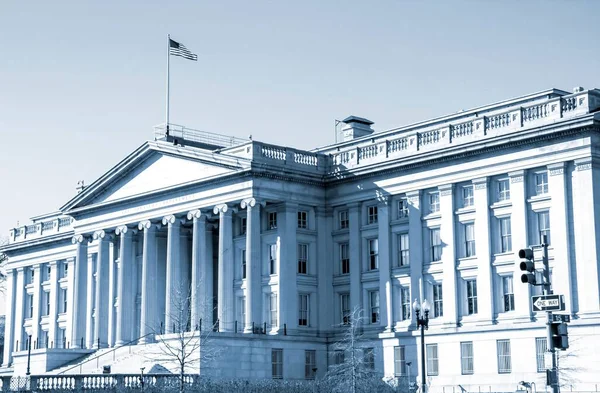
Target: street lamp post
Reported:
[(142, 378), (423, 323)]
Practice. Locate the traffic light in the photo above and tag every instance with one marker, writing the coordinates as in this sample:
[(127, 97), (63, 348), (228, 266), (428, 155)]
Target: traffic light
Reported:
[(560, 335), (527, 265)]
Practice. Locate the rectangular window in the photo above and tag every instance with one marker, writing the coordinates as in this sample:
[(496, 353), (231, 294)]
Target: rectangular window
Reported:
[(543, 219), (434, 202), (345, 308), (277, 363), (243, 264), (504, 364), (302, 258), (243, 226), (541, 183), (373, 254), (29, 305), (403, 249), (31, 275), (63, 296), (302, 219), (339, 357), (62, 335), (403, 208), (273, 220), (466, 357), (469, 239), (438, 301), (405, 301), (344, 220), (303, 302), (399, 361), (505, 235), (369, 358), (273, 309), (372, 215), (47, 301), (507, 291), (48, 272), (432, 359), (374, 302), (65, 270), (503, 190), (310, 364), (345, 258), (471, 297), (272, 258), (541, 346), (467, 196), (436, 244)]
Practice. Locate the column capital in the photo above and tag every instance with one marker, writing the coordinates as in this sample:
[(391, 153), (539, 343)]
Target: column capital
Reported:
[(80, 239), (51, 263), (147, 224), (222, 209), (517, 176), (195, 214), (289, 207), (124, 229), (20, 269), (248, 202), (171, 219), (480, 183), (556, 168), (323, 211), (584, 164), (446, 189)]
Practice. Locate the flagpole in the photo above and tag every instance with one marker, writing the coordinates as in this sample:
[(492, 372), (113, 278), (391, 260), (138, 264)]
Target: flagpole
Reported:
[(168, 66)]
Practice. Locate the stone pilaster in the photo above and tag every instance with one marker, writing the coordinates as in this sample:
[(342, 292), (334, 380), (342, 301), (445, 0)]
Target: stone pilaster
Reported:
[(149, 321), (90, 304), (355, 259), (113, 274), (225, 289), (253, 264), (519, 236), (9, 326), (325, 301), (53, 314), (485, 280), (37, 300), (450, 288), (70, 303), (79, 316), (586, 225), (287, 222), (385, 283)]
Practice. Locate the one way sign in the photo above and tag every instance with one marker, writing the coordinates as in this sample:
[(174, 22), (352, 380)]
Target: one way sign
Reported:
[(548, 303)]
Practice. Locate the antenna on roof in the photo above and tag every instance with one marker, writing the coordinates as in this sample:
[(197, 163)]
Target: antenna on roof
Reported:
[(335, 128)]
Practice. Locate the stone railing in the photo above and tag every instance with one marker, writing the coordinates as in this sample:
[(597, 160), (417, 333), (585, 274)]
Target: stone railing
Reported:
[(466, 128), (44, 228), (264, 153)]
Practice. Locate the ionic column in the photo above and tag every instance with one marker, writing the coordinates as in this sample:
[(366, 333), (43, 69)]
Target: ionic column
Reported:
[(225, 290), (79, 317), (519, 236), (485, 282), (415, 246), (113, 269), (288, 266), (126, 299), (174, 289), (354, 240), (559, 235), (90, 304), (149, 322), (449, 283), (385, 283), (35, 318), (19, 309), (253, 280), (70, 303), (102, 301), (586, 225), (9, 326), (198, 262), (53, 315)]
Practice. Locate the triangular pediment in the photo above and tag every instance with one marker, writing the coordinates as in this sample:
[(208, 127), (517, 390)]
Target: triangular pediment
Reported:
[(149, 170)]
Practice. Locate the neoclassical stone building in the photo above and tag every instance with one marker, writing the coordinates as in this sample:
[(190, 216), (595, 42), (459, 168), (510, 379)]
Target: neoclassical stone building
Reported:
[(277, 245)]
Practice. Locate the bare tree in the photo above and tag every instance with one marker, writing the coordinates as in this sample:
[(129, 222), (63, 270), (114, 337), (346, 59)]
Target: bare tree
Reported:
[(3, 260), (569, 365), (190, 343), (352, 370)]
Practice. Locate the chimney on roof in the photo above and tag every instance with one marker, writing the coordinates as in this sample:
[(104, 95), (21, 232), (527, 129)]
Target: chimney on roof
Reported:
[(355, 127), (578, 89)]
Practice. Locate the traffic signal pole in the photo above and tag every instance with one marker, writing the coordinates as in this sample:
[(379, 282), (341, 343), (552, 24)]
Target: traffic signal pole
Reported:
[(549, 341)]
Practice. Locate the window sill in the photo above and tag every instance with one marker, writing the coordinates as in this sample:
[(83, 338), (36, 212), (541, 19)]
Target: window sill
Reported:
[(500, 204), (539, 198), (467, 259), (431, 216), (465, 210)]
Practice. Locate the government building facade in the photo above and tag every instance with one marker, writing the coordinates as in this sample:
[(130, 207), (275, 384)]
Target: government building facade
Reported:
[(277, 246)]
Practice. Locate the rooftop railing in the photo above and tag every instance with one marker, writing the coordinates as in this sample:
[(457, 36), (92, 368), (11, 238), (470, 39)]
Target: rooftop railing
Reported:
[(184, 133)]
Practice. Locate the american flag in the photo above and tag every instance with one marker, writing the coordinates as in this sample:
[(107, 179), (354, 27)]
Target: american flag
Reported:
[(177, 49)]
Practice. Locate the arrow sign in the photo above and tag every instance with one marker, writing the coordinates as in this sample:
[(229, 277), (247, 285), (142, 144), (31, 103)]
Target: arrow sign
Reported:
[(547, 303)]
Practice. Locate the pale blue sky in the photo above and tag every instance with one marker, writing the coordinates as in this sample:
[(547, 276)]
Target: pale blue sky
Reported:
[(82, 83)]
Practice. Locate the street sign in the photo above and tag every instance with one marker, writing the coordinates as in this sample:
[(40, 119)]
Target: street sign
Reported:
[(548, 303), (548, 360), (561, 318)]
